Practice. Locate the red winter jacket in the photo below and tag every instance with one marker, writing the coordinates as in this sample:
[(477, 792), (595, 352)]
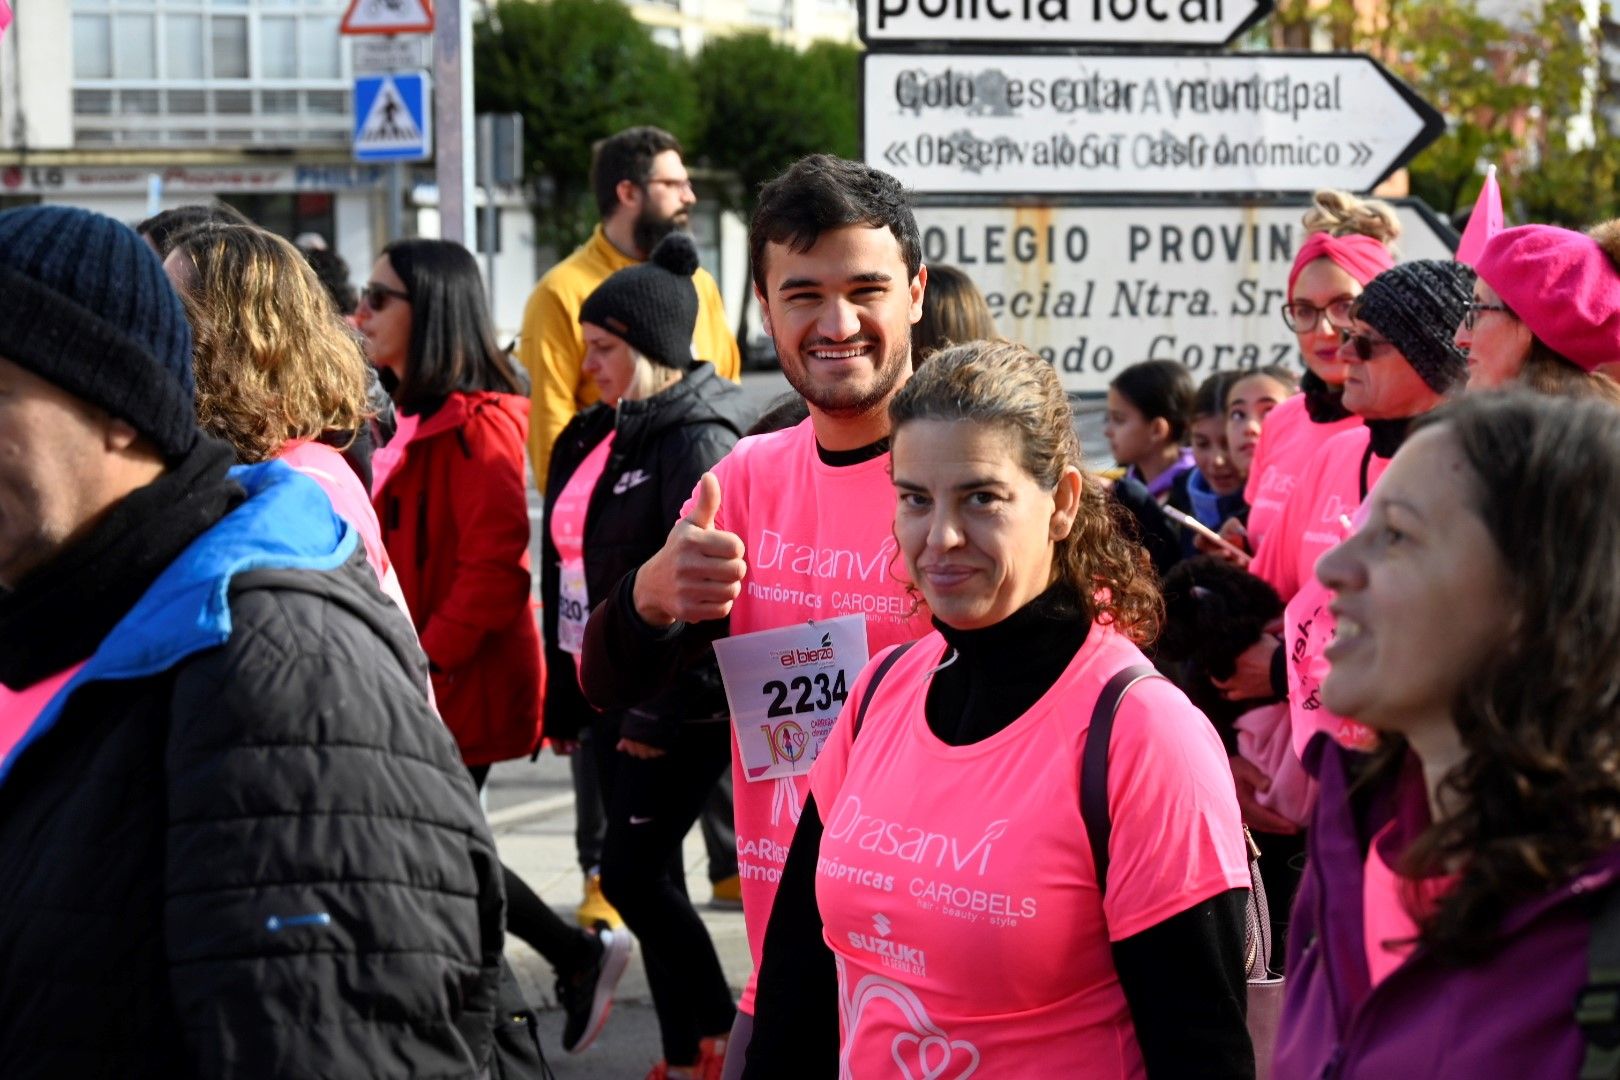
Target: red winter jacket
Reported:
[(455, 521)]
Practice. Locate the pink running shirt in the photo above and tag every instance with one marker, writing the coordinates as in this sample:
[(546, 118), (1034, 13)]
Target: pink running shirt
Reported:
[(820, 544), (568, 534), (1327, 492), (956, 885), (1287, 442)]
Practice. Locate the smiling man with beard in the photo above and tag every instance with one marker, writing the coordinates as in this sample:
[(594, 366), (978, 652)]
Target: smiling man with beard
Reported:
[(838, 272), (643, 193)]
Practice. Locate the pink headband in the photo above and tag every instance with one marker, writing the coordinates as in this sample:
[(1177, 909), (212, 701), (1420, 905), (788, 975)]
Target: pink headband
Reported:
[(1362, 257), (1562, 285)]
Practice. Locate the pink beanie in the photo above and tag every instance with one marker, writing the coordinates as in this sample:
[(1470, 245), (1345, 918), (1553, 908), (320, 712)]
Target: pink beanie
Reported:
[(1562, 285), (1362, 257)]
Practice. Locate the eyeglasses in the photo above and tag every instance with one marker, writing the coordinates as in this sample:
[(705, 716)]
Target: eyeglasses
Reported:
[(678, 185), (376, 296), (1470, 317), (1302, 316), (1365, 346)]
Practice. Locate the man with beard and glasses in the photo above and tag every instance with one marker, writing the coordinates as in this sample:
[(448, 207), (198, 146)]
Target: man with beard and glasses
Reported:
[(791, 528), (643, 193)]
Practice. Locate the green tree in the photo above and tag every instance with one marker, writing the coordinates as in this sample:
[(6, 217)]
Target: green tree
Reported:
[(1513, 94), (764, 105), (577, 70)]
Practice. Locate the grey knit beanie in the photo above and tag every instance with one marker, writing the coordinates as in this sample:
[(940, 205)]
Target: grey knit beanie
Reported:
[(652, 305), (1417, 306), (84, 303)]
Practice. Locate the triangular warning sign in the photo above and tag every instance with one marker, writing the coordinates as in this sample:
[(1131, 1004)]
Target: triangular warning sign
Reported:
[(389, 124), (388, 17)]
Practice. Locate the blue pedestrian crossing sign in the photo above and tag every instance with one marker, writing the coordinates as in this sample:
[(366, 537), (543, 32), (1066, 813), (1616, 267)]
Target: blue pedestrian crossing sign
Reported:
[(391, 120)]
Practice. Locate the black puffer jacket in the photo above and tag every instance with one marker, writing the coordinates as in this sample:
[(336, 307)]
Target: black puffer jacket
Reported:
[(663, 445), (238, 843)]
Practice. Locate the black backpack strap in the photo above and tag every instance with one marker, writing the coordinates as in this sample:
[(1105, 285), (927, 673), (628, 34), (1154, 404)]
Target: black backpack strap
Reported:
[(1094, 765), (871, 687), (1597, 1007)]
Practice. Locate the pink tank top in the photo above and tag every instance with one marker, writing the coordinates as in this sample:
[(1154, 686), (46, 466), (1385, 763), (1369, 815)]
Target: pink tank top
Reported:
[(568, 534), (820, 544), (1287, 442), (956, 885)]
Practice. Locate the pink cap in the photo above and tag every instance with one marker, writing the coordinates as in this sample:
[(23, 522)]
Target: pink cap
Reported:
[(1562, 286)]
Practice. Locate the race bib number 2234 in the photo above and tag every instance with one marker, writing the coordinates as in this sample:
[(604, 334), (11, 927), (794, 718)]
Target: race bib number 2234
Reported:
[(786, 687)]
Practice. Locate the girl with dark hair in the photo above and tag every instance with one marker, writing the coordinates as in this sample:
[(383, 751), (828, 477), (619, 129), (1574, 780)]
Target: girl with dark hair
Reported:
[(1463, 877), (940, 906), (1149, 406), (456, 522)]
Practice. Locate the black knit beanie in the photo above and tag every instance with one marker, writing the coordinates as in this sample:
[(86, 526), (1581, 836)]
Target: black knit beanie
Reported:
[(84, 303), (652, 305), (1417, 306)]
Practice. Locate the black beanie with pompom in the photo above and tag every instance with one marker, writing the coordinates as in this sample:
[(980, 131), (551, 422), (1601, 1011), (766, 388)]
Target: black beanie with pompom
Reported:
[(653, 305)]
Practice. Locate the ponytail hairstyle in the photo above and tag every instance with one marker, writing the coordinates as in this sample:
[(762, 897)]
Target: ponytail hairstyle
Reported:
[(1004, 385)]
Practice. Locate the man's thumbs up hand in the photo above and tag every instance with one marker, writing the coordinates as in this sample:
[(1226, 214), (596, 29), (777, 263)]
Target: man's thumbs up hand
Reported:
[(698, 572)]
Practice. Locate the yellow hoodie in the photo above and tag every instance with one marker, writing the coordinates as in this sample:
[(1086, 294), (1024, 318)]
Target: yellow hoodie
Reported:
[(552, 346)]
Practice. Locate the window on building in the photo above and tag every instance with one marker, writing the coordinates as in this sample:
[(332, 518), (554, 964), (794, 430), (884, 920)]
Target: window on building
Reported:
[(230, 46), (278, 48), (92, 46), (319, 51), (183, 47), (134, 47)]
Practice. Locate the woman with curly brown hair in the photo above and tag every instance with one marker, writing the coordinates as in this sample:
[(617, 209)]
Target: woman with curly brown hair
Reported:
[(940, 906), (1444, 925), (278, 373)]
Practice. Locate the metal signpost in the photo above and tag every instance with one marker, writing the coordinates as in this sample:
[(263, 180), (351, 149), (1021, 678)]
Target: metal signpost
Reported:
[(392, 92), (1149, 123), (1096, 288)]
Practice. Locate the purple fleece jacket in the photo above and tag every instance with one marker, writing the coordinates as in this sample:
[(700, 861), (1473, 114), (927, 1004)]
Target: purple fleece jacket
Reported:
[(1509, 1016)]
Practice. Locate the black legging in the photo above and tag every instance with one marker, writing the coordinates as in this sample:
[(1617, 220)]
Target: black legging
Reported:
[(566, 948), (652, 804)]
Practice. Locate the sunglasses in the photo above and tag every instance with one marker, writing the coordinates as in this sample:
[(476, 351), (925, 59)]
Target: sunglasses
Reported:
[(1470, 317), (376, 296), (1302, 316), (1365, 346)]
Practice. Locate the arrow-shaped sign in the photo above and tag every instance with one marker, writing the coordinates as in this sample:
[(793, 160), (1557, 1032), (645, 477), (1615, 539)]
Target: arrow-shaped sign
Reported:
[(1059, 22), (1137, 124)]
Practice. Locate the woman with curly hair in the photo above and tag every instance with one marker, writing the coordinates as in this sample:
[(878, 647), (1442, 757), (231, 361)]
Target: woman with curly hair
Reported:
[(940, 907), (1445, 920), (278, 373)]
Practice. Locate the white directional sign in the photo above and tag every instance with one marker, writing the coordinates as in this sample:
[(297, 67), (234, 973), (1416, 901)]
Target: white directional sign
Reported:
[(1136, 124), (1060, 22), (391, 118), (382, 55), (1096, 288)]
